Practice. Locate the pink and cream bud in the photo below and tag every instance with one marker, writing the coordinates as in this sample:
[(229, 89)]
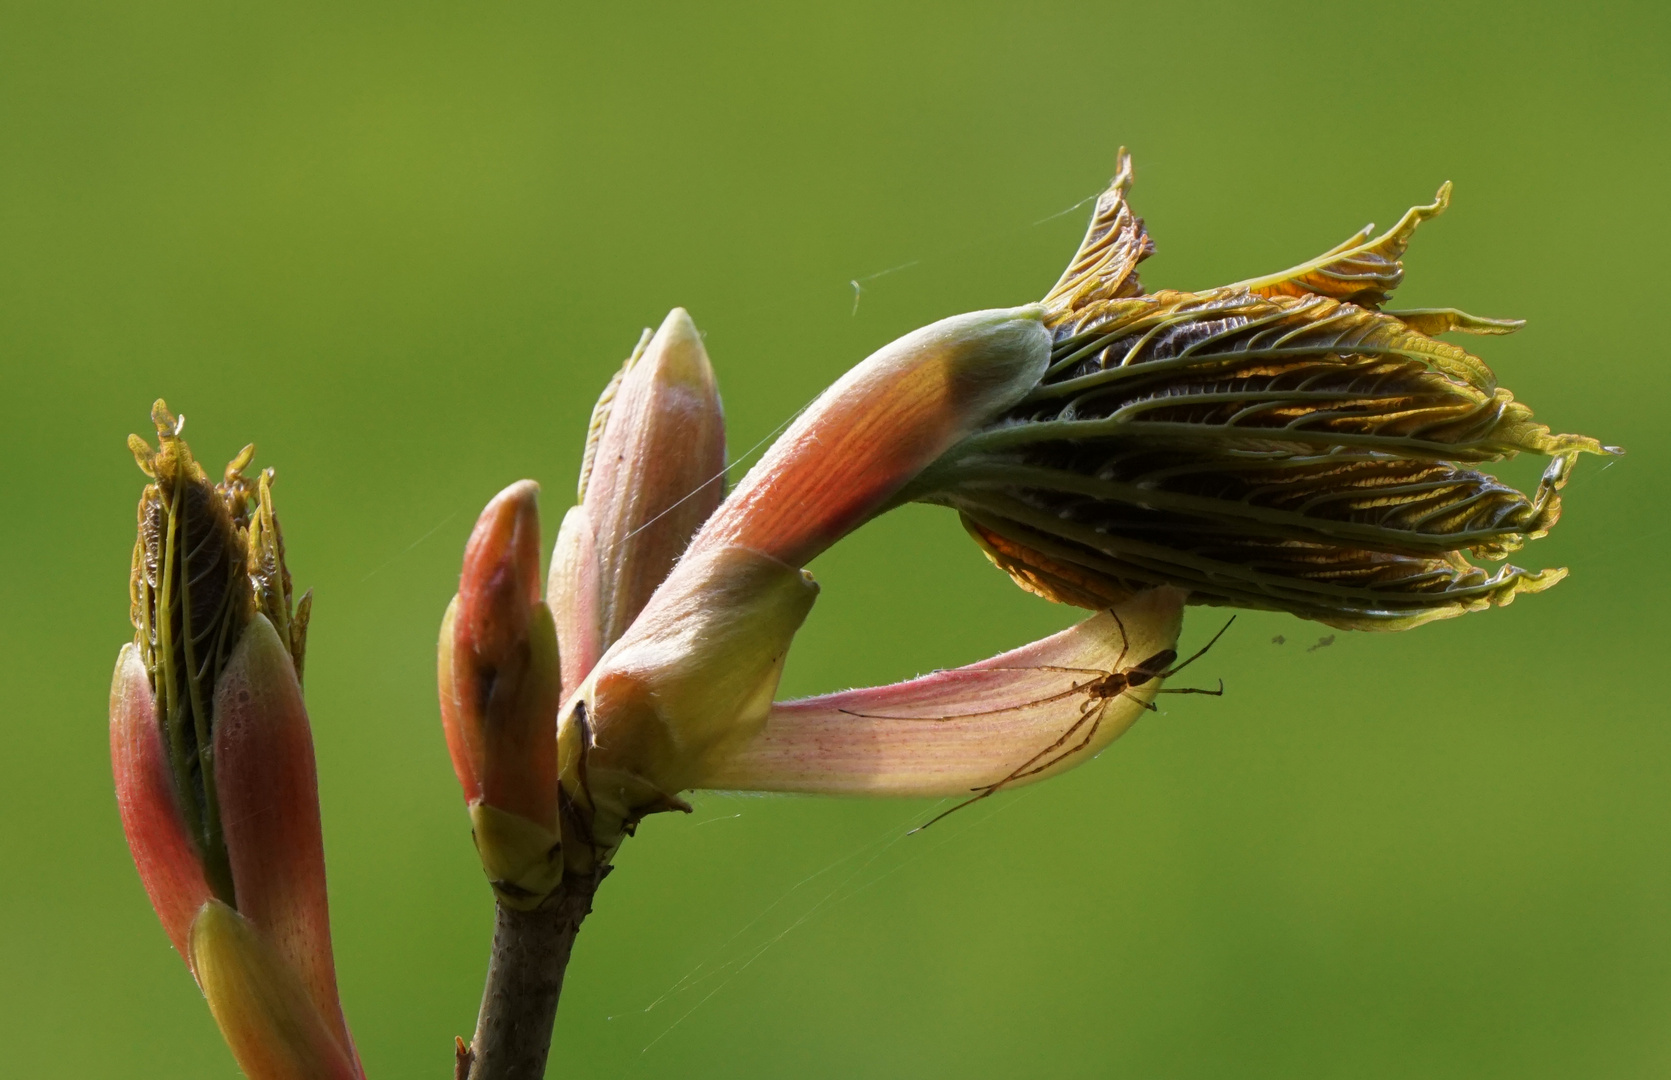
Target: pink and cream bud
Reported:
[(654, 469), (575, 597), (692, 679)]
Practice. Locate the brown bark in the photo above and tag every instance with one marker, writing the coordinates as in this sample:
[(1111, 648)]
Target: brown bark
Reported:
[(524, 981)]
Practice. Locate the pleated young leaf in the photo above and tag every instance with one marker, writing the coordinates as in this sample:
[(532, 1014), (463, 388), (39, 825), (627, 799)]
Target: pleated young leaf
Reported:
[(1279, 443)]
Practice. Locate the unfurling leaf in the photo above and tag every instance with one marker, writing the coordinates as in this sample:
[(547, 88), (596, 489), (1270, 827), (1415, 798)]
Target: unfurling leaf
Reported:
[(1279, 443)]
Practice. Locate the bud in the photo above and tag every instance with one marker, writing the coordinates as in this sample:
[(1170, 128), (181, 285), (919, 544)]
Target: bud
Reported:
[(1280, 443), (213, 758), (500, 686), (1017, 718), (654, 468), (269, 803), (691, 681)]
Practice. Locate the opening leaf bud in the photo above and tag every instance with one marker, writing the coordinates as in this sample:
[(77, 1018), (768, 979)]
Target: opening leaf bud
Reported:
[(1279, 443), (693, 677), (207, 563), (213, 756), (191, 599)]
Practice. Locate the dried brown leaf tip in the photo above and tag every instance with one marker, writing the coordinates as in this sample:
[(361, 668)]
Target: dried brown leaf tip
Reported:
[(1280, 443)]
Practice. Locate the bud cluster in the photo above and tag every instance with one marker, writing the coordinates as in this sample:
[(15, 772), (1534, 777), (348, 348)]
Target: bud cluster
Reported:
[(653, 471), (1283, 443)]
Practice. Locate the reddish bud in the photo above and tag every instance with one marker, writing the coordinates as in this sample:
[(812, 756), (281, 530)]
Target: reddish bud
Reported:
[(499, 686), (270, 812)]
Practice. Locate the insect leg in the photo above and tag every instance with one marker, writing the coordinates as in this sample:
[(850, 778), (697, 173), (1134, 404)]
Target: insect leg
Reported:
[(1096, 724), (1089, 706), (1077, 688), (1193, 690), (1175, 668), (1021, 770), (1125, 641), (1046, 667)]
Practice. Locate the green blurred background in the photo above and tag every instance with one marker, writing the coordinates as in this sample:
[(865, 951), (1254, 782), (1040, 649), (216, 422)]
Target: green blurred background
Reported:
[(402, 247)]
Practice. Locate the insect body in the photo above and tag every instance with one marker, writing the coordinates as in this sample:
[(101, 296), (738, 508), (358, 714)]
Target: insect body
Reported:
[(1101, 688)]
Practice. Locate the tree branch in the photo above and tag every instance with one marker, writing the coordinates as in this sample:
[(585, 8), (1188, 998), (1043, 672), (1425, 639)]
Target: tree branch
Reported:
[(524, 981)]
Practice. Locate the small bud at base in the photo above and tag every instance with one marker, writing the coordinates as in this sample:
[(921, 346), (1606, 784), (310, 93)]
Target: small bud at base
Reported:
[(263, 1010)]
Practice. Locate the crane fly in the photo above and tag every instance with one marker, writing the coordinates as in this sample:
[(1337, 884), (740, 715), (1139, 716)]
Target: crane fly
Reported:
[(1103, 687)]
